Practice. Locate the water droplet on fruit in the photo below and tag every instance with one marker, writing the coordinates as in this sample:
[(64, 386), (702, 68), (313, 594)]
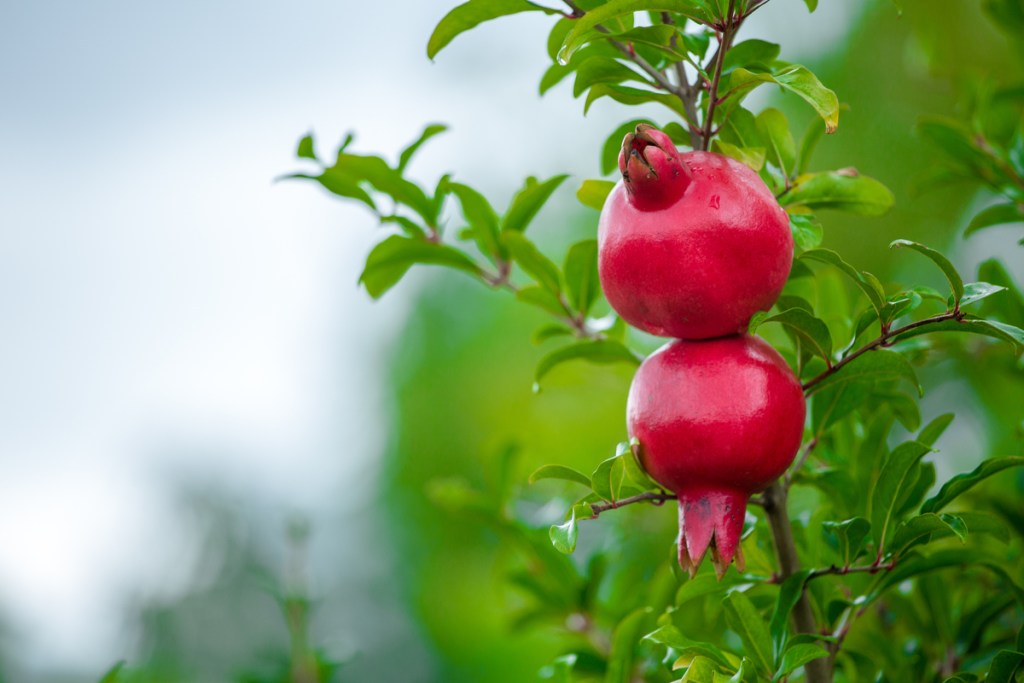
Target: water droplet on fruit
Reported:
[(714, 201)]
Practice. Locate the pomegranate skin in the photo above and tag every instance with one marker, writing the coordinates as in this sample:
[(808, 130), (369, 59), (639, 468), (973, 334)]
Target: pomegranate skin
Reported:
[(701, 266), (716, 420)]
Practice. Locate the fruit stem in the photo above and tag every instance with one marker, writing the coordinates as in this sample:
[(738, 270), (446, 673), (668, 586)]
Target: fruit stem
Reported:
[(775, 508)]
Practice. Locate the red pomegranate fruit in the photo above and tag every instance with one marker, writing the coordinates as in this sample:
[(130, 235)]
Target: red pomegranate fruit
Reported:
[(690, 245), (716, 420)]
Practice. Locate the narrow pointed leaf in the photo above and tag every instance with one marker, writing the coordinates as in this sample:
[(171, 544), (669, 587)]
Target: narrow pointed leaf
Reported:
[(559, 472), (955, 283), (471, 14), (962, 483), (600, 352)]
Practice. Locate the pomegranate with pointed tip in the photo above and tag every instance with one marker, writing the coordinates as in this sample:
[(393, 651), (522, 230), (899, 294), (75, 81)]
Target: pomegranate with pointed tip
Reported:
[(716, 421), (690, 245)]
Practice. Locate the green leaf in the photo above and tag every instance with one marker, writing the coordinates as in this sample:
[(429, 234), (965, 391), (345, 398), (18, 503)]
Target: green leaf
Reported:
[(892, 481), (581, 282), (851, 534), (789, 594), (584, 28), (811, 330), (481, 217), (969, 325), (741, 130), (598, 69), (811, 5), (392, 258), (532, 261), (624, 640), (844, 190), (410, 227), (528, 201), (601, 352), (864, 280), (955, 283), (934, 429), (376, 172), (962, 483), (759, 53), (746, 622), (875, 366), (608, 478), (781, 148), (1004, 666), (671, 636), (538, 296), (753, 157), (632, 97), (551, 331), (924, 526), (471, 14), (998, 214), (808, 143), (428, 132), (339, 184), (797, 656), (807, 230), (305, 149), (634, 471), (976, 291), (796, 79), (559, 472), (593, 193), (563, 536), (113, 675)]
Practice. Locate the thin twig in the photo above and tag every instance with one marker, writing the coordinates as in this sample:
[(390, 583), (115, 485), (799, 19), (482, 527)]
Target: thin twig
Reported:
[(882, 340), (655, 498), (729, 28), (788, 480), (865, 569)]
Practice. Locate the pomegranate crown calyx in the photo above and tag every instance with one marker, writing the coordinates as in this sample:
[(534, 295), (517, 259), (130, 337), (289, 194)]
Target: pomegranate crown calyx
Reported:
[(652, 170)]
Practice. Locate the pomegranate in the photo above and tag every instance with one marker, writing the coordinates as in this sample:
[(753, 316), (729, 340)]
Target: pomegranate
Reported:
[(716, 420), (690, 245)]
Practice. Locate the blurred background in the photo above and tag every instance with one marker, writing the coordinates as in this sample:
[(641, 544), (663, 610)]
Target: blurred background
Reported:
[(202, 415)]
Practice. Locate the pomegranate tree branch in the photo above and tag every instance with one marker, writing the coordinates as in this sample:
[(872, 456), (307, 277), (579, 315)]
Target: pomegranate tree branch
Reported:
[(865, 569), (883, 339), (775, 510), (655, 498), (573, 319), (729, 29)]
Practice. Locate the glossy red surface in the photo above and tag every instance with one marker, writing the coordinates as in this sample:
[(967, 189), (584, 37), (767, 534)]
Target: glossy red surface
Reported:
[(701, 266), (716, 420)]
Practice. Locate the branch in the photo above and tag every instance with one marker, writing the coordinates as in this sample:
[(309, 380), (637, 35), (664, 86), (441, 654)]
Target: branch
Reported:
[(655, 498), (687, 93), (882, 340), (789, 564), (865, 569), (732, 24)]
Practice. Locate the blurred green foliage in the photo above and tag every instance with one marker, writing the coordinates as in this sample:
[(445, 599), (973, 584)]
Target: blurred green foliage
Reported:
[(493, 601)]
